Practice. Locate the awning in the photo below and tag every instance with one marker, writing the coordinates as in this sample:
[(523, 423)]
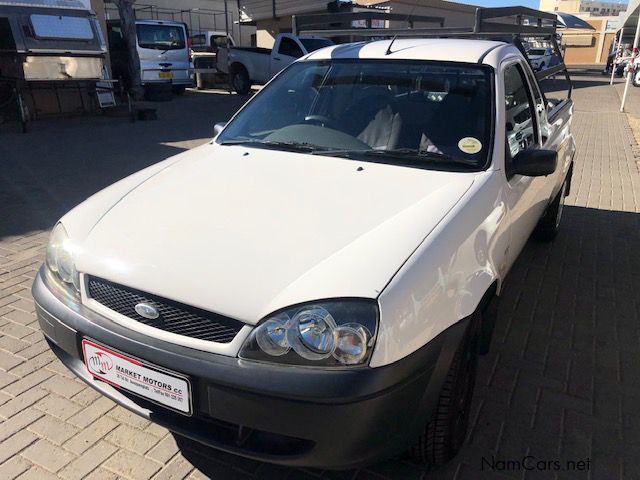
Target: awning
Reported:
[(629, 19), (566, 20)]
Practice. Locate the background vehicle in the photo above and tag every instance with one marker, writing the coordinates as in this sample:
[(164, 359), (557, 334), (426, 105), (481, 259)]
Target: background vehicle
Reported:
[(540, 58), (163, 48), (204, 49), (248, 65), (45, 46), (210, 41), (635, 79)]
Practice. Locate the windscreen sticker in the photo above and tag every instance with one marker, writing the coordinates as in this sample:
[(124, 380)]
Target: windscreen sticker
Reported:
[(470, 145)]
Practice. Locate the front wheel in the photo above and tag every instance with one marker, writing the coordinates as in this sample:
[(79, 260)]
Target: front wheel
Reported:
[(549, 224), (446, 431), (636, 78)]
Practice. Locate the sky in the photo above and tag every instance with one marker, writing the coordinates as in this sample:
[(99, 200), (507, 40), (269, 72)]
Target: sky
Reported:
[(504, 3)]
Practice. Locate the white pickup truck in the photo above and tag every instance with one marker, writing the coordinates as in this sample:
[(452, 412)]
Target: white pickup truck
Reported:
[(251, 65), (313, 287)]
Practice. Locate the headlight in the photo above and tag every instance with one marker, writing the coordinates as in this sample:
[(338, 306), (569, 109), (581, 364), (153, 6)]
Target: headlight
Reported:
[(60, 257), (326, 333)]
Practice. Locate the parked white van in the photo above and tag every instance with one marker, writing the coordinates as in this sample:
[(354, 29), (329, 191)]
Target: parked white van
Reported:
[(163, 48)]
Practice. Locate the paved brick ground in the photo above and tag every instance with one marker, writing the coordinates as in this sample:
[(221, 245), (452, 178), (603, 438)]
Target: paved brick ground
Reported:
[(561, 382)]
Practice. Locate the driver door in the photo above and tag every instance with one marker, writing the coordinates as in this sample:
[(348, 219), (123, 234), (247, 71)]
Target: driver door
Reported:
[(522, 132)]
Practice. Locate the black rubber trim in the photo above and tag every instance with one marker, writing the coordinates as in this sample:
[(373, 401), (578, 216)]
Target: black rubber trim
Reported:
[(489, 50)]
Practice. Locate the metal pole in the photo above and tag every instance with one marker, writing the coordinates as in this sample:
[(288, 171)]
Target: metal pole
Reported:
[(631, 65), (226, 18), (618, 51)]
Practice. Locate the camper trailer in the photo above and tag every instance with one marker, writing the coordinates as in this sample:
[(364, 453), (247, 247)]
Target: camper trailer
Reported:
[(50, 40), (52, 54)]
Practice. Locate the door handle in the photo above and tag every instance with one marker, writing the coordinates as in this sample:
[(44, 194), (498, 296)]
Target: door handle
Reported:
[(276, 58)]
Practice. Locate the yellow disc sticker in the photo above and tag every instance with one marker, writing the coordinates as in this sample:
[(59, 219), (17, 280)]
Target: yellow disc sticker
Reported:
[(470, 145)]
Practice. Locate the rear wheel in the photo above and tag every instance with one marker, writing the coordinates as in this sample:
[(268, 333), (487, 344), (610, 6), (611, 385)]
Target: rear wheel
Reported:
[(549, 225), (240, 81), (178, 89), (446, 431), (636, 78)]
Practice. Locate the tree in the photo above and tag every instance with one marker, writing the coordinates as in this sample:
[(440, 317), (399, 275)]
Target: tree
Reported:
[(128, 26)]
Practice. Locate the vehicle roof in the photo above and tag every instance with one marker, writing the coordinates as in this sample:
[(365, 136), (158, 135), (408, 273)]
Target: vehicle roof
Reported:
[(443, 49)]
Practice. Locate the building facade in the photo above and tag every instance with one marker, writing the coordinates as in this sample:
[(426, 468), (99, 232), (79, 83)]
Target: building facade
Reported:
[(590, 47), (594, 8)]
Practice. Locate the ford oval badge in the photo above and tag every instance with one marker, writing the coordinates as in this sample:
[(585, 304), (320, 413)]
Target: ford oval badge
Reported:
[(147, 311)]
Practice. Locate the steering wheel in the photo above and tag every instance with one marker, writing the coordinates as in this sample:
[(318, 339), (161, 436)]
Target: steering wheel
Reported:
[(318, 120)]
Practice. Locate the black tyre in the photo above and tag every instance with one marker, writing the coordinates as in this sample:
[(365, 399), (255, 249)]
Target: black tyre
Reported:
[(446, 431), (549, 225), (239, 79), (636, 78), (178, 89)]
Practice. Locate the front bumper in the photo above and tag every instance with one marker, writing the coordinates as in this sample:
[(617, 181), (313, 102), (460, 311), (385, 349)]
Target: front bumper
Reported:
[(295, 416)]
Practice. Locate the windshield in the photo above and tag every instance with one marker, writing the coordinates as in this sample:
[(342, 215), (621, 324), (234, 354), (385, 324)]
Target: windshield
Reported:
[(313, 44), (431, 114), (161, 37), (536, 52)]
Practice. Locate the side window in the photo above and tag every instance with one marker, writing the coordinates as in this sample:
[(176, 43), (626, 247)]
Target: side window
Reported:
[(539, 102), (537, 96), (520, 121), (290, 48)]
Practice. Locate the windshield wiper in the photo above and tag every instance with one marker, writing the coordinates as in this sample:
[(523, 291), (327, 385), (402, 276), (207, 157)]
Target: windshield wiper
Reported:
[(276, 145), (406, 155)]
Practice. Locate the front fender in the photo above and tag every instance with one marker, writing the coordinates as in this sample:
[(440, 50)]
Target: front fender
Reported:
[(447, 277)]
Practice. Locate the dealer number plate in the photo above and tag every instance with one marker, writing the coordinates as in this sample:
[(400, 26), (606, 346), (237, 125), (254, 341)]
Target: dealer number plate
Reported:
[(154, 383)]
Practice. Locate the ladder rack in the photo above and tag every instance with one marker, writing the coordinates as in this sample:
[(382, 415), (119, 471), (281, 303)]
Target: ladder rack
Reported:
[(506, 24)]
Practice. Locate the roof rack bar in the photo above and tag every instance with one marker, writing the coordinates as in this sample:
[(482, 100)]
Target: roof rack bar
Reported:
[(548, 72), (304, 22), (501, 12), (510, 24), (500, 30), (538, 23)]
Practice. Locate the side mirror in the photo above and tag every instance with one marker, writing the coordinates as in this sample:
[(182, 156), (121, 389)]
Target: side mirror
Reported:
[(535, 163), (217, 128)]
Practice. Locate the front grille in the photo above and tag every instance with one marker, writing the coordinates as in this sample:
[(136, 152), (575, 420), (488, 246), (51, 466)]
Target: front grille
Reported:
[(174, 317)]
